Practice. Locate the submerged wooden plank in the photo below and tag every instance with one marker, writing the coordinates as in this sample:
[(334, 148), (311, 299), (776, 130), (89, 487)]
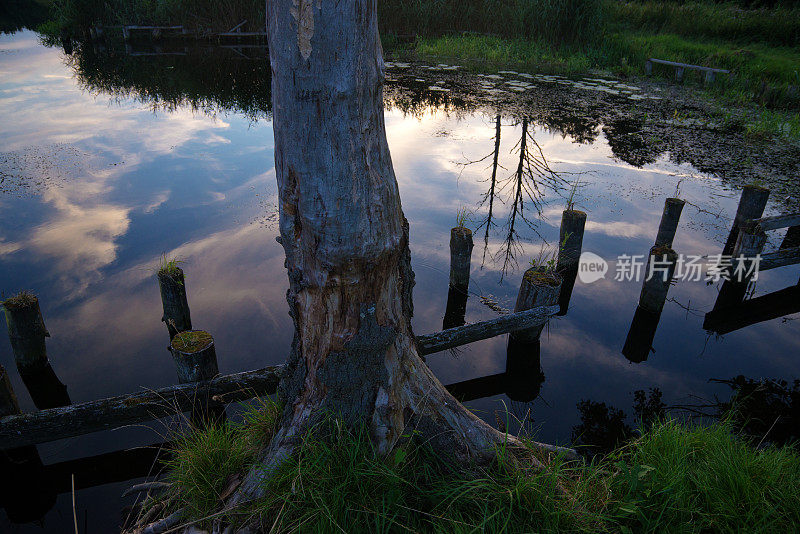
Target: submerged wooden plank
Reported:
[(779, 258), (455, 337), (778, 221), (78, 419), (752, 311)]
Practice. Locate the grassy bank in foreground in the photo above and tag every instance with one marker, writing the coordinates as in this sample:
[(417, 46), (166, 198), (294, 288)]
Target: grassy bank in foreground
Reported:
[(673, 478)]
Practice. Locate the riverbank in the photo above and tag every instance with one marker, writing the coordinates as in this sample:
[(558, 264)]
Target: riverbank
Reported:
[(591, 37), (763, 91), (673, 476)]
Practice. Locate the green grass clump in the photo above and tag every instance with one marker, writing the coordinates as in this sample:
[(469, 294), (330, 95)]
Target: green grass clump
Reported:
[(674, 478), (203, 461), (170, 267), (696, 479)]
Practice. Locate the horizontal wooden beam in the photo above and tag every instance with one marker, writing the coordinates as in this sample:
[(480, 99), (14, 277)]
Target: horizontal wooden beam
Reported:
[(176, 28), (752, 311), (778, 221), (779, 258), (461, 335), (242, 34), (78, 419)]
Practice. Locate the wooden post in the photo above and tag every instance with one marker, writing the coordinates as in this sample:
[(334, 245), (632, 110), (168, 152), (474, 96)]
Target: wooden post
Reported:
[(648, 67), (539, 287), (751, 206), (46, 390), (8, 400), (524, 376), (709, 77), (567, 285), (26, 494), (679, 74), (172, 284), (655, 287), (194, 355), (749, 243), (196, 361), (456, 309), (570, 244), (458, 289), (126, 33), (639, 342), (460, 257), (669, 222), (731, 294), (570, 239), (26, 331)]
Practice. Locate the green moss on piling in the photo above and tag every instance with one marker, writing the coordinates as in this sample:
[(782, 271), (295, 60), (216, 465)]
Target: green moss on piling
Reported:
[(192, 341), (22, 300), (544, 276)]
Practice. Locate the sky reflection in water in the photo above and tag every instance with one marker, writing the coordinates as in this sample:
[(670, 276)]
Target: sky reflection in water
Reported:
[(98, 187)]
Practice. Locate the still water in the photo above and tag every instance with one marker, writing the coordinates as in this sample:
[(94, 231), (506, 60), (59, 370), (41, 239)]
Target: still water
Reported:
[(108, 163)]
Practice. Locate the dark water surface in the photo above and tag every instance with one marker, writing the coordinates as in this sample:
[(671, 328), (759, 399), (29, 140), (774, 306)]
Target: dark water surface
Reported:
[(106, 171)]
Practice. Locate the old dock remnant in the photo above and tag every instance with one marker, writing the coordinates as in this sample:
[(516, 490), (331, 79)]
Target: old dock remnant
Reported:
[(540, 287), (172, 284), (570, 239), (751, 206), (669, 222), (458, 289)]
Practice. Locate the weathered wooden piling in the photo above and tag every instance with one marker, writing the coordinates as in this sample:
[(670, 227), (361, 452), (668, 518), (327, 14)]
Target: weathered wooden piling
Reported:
[(524, 376), (27, 334), (458, 288), (540, 286), (731, 293), (460, 257), (751, 206), (25, 494), (749, 243), (26, 331), (669, 222), (196, 361), (45, 388), (639, 342), (172, 283), (8, 400), (655, 287), (456, 310), (195, 356), (570, 239)]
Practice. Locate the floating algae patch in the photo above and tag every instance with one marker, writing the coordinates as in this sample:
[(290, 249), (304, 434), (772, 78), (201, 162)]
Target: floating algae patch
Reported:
[(34, 169)]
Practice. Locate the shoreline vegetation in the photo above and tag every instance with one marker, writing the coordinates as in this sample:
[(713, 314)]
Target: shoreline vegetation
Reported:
[(674, 476), (759, 42)]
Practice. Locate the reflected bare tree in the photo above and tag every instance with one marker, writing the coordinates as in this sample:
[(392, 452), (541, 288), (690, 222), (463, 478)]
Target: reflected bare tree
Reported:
[(521, 190), (525, 187), (487, 223)]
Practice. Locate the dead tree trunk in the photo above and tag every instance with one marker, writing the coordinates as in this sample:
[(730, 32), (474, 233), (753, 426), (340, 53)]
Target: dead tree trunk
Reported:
[(346, 244)]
